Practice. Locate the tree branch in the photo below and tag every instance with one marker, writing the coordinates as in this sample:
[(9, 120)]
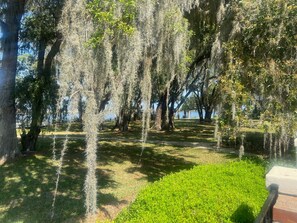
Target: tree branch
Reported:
[(53, 52)]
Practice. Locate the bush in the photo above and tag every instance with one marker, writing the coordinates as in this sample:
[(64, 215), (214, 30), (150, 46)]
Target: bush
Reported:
[(233, 192)]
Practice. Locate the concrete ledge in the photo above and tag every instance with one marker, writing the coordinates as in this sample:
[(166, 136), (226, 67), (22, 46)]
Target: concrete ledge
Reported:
[(285, 178)]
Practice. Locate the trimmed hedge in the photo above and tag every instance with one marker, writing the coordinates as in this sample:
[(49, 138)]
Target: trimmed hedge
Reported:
[(233, 192)]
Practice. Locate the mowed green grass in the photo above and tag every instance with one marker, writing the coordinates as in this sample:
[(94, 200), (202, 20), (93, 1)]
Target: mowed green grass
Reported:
[(27, 184)]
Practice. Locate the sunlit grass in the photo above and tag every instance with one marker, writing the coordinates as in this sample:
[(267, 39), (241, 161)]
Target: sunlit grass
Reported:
[(233, 192)]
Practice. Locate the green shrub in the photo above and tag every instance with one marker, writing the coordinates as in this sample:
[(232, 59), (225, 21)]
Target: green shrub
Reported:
[(233, 192)]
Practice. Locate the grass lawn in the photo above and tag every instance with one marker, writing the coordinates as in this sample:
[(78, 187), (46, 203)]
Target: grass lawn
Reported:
[(27, 185), (232, 192)]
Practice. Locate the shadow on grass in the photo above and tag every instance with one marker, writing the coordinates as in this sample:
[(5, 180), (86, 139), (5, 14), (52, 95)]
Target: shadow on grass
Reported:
[(152, 164), (27, 187), (243, 214), (156, 165), (28, 183)]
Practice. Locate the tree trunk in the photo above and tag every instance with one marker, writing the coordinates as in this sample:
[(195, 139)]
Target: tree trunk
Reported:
[(10, 26), (171, 117), (164, 117), (161, 120), (29, 140), (123, 121), (158, 120), (208, 113), (80, 108), (137, 112), (200, 112), (199, 108), (43, 83)]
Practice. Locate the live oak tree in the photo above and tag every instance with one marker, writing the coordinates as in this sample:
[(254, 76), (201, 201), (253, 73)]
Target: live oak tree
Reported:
[(40, 35), (261, 72), (213, 25)]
